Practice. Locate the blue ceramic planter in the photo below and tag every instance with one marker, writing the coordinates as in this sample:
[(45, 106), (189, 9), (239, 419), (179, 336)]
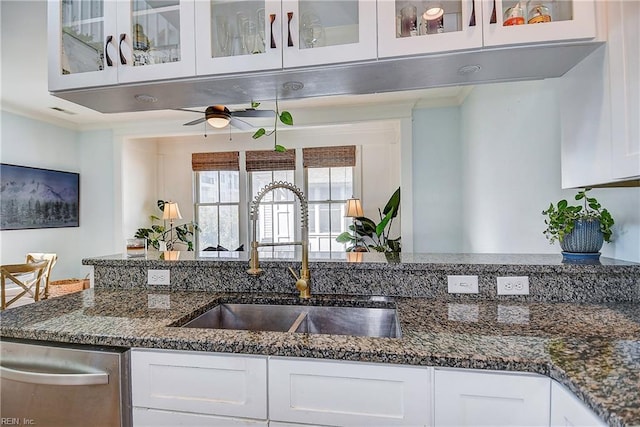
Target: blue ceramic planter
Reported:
[(586, 237)]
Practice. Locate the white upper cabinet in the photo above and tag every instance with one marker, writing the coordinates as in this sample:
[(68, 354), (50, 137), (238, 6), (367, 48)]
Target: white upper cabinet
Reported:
[(537, 21), (265, 34), (624, 67), (97, 43), (600, 104), (418, 27), (410, 28)]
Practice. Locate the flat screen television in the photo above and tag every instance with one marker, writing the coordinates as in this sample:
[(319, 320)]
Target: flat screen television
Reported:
[(38, 198)]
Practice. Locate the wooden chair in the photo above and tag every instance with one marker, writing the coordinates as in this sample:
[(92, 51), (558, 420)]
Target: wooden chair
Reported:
[(27, 276), (52, 258)]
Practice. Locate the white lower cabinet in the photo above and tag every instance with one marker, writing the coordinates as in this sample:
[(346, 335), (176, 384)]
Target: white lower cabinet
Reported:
[(171, 388), (568, 411), (182, 386), (466, 397), (331, 393)]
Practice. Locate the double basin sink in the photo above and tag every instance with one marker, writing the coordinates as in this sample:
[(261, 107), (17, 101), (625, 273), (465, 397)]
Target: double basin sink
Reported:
[(356, 321)]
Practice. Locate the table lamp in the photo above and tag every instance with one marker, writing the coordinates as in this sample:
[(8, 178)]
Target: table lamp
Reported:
[(171, 212), (354, 210)]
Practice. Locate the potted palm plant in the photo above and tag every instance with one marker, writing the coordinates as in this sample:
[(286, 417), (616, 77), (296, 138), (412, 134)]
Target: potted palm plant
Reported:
[(159, 235), (582, 229), (366, 235)]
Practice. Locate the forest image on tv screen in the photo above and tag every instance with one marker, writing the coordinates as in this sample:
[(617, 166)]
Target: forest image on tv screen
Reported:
[(38, 198)]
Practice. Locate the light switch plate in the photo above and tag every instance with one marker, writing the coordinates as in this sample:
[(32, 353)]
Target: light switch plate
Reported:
[(462, 284), (158, 277)]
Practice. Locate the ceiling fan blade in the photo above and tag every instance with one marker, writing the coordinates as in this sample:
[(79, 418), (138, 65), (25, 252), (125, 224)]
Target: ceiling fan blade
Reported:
[(240, 124), (195, 122), (253, 113), (188, 110)]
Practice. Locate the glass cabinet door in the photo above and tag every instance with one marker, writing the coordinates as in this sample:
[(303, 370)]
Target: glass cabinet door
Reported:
[(82, 52), (534, 21), (156, 39), (328, 31), (235, 36), (425, 26)]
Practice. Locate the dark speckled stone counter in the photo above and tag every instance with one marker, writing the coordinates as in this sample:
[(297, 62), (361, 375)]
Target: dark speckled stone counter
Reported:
[(405, 275), (594, 349)]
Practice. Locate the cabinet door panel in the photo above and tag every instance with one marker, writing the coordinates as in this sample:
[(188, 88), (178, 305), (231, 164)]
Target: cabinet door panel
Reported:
[(343, 393), (471, 398), (82, 44), (624, 60), (200, 382), (568, 411), (573, 20), (144, 417), (322, 32), (238, 36), (159, 40), (457, 30)]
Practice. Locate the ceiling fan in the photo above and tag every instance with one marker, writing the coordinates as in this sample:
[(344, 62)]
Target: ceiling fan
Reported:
[(220, 116)]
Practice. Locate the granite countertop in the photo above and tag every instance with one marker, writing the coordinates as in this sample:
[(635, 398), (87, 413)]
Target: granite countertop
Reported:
[(593, 349)]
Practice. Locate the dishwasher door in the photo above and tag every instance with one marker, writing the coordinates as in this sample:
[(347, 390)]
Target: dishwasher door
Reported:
[(46, 384)]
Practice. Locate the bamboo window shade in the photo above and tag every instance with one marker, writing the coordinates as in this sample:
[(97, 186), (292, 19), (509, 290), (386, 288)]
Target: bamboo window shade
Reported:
[(329, 157), (269, 160), (223, 161)]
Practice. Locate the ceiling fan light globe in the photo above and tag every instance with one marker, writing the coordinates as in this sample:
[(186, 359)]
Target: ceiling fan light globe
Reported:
[(218, 120)]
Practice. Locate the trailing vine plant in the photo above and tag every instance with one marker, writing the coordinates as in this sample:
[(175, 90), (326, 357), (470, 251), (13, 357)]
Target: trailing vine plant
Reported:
[(283, 117)]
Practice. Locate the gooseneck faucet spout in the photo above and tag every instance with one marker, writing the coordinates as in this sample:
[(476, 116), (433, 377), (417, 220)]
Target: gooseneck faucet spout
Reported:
[(303, 281)]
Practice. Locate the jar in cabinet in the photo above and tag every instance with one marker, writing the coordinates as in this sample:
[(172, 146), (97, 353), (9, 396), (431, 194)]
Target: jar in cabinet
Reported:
[(538, 12), (514, 16)]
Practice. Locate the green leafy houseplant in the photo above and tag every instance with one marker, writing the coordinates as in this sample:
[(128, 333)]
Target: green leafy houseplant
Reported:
[(371, 236), (284, 117), (182, 234), (562, 217)]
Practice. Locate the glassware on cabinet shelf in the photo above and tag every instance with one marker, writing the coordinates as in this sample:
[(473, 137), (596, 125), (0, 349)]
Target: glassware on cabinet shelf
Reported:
[(311, 31), (223, 35)]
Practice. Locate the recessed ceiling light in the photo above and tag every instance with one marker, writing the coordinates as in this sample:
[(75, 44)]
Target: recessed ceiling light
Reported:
[(145, 98), (292, 85), (469, 69)]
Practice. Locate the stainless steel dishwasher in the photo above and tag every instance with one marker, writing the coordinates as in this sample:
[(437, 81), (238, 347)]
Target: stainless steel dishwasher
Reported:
[(47, 384)]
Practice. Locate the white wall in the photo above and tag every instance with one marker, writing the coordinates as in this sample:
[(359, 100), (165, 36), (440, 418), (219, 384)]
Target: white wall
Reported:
[(33, 143), (437, 180), (509, 173)]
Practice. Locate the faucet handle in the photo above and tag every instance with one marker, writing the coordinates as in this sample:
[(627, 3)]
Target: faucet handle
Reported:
[(293, 273)]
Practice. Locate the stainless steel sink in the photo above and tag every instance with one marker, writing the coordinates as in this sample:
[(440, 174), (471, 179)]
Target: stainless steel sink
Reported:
[(357, 321)]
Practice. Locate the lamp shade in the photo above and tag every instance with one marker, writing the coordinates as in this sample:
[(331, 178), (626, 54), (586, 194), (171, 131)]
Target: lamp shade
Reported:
[(171, 211), (354, 208)]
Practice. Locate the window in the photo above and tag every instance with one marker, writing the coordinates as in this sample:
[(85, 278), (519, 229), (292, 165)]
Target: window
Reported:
[(329, 175), (276, 216), (220, 193), (217, 201), (328, 190)]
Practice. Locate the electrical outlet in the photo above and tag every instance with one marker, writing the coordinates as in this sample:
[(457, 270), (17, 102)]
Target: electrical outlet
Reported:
[(513, 285), (158, 277), (462, 284)]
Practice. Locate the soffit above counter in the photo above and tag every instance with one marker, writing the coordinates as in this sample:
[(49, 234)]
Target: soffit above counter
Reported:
[(379, 76)]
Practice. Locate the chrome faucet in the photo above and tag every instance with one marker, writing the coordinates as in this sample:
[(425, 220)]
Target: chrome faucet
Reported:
[(303, 281)]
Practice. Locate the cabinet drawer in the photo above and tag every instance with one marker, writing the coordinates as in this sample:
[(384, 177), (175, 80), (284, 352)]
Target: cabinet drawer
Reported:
[(198, 382), (347, 393), (145, 417), (471, 398)]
